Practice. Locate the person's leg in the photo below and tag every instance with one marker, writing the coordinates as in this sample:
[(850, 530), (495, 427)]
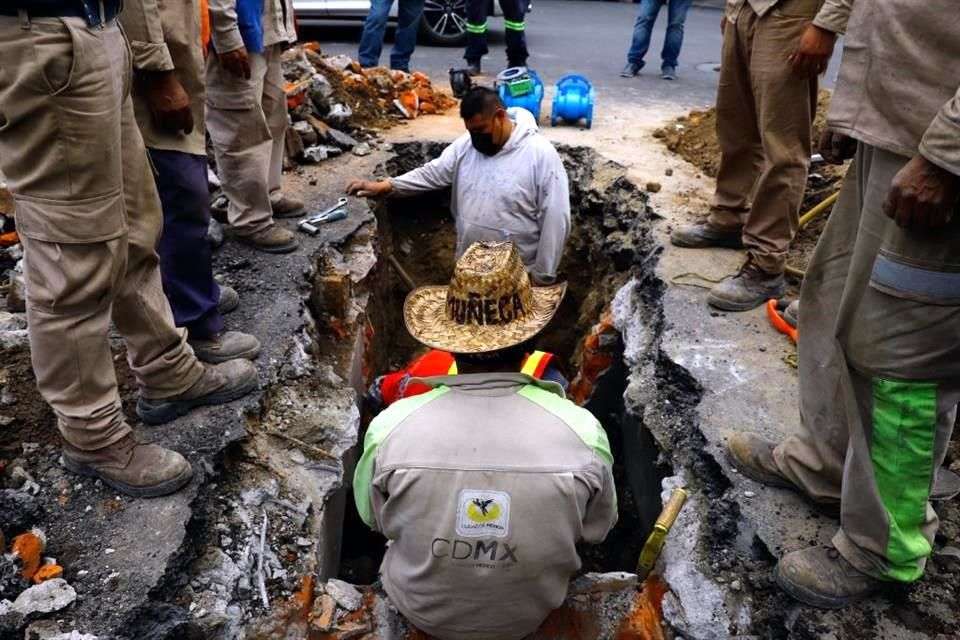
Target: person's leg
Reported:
[(515, 32), (186, 260), (642, 28), (673, 38), (405, 41), (274, 103), (476, 31), (374, 26)]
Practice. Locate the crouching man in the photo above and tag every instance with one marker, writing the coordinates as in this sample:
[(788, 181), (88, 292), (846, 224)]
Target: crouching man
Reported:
[(485, 484)]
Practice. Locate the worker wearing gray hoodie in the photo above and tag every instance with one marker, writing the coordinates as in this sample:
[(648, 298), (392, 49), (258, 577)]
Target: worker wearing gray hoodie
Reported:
[(508, 184)]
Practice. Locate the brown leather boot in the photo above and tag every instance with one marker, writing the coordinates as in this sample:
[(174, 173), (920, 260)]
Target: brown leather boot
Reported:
[(273, 239), (287, 207), (821, 577), (224, 346), (219, 384), (748, 289), (136, 469), (702, 234)]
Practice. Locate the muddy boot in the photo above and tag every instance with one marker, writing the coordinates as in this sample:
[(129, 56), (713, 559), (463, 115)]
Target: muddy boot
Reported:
[(229, 300), (747, 290), (752, 456), (821, 577), (136, 469), (224, 346), (287, 207), (219, 384), (273, 239), (702, 235)]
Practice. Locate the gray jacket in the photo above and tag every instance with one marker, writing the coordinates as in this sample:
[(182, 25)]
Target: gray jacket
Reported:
[(483, 487), (521, 194)]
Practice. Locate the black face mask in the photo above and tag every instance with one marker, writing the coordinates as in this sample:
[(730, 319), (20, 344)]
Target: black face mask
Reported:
[(483, 142)]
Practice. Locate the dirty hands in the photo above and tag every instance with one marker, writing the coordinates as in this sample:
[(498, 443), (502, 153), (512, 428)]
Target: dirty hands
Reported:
[(168, 102), (369, 188), (236, 62), (813, 51), (836, 147), (922, 195)]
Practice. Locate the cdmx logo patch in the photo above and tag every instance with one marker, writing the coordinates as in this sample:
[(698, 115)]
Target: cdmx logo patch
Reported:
[(483, 513)]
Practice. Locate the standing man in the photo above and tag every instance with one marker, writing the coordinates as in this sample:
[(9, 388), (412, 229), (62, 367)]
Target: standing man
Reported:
[(513, 24), (484, 485), (168, 89), (405, 40), (247, 116), (672, 41), (508, 183), (89, 219), (879, 312), (766, 102)]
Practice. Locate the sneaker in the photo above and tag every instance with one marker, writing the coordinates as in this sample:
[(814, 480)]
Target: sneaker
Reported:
[(701, 235), (273, 239), (632, 70), (224, 346), (821, 577), (229, 300), (473, 68), (748, 289), (136, 469), (287, 207), (668, 73), (219, 384)]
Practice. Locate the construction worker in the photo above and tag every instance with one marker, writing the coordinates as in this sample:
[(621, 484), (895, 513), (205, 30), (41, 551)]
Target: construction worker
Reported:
[(247, 117), (89, 219), (879, 312), (484, 485), (168, 93), (513, 24), (508, 183), (773, 51), (405, 40)]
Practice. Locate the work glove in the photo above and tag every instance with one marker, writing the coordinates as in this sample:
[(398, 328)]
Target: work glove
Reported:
[(836, 147), (236, 62), (813, 52), (168, 102), (922, 195)]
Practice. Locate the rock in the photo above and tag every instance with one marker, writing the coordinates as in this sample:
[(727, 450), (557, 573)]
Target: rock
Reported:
[(736, 585), (12, 321), (320, 91), (345, 594), (948, 559), (340, 139), (73, 635), (603, 582), (339, 113), (14, 339), (321, 616), (749, 494), (17, 296), (653, 187), (219, 569), (362, 149), (340, 63), (668, 172), (46, 597), (313, 155), (215, 233), (308, 135), (18, 511)]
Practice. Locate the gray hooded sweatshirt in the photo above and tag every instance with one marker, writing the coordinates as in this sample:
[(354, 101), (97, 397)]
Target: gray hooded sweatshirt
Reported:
[(520, 194)]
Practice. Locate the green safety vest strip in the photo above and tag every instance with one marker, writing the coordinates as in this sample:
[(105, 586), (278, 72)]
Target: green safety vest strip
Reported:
[(379, 429), (904, 428), (515, 26), (580, 421), (476, 28)]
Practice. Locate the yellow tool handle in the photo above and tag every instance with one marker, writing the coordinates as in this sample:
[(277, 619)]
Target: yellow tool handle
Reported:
[(672, 509)]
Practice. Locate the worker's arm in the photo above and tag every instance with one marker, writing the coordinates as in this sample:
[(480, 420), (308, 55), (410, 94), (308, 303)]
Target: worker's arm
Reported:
[(601, 512), (815, 47), (553, 203), (365, 494), (436, 174), (225, 30), (833, 16)]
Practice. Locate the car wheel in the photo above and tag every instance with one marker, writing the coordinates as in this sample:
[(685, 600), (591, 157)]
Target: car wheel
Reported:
[(444, 22)]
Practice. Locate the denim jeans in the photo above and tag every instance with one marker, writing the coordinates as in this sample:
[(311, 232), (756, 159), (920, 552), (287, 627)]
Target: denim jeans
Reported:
[(408, 21), (676, 16)]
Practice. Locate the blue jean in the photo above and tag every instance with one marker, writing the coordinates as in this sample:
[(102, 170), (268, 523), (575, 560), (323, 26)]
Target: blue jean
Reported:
[(676, 16), (408, 21)]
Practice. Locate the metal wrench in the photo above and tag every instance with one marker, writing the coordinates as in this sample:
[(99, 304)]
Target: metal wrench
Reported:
[(336, 212)]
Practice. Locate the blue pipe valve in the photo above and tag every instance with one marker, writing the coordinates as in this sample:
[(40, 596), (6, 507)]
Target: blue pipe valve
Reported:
[(573, 100), (521, 87)]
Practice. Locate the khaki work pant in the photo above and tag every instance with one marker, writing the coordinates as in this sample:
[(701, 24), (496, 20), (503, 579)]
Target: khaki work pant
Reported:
[(89, 219), (764, 117), (247, 121), (879, 373)]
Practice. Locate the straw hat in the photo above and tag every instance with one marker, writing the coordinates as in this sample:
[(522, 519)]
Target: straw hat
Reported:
[(489, 305)]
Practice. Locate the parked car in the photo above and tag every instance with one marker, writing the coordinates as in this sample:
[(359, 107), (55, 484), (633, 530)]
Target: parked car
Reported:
[(444, 21)]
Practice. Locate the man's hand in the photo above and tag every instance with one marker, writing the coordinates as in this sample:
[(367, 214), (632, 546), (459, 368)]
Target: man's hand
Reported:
[(369, 188), (236, 62), (168, 102), (836, 147), (812, 54), (922, 195)]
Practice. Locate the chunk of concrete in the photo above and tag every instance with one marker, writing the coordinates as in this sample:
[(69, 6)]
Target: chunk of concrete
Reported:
[(46, 597), (345, 594)]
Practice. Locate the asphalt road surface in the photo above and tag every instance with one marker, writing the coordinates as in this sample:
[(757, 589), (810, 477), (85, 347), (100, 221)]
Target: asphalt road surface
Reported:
[(575, 36)]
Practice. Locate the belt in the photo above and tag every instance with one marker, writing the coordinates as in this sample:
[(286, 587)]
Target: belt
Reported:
[(89, 10)]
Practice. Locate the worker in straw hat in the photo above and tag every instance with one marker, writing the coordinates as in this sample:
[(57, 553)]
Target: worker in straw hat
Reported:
[(485, 484)]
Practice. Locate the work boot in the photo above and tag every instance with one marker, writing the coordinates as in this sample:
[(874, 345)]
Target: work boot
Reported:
[(701, 235), (668, 73), (227, 345), (749, 289), (473, 68), (136, 469), (229, 300), (821, 577), (273, 239), (632, 70), (287, 207), (219, 384)]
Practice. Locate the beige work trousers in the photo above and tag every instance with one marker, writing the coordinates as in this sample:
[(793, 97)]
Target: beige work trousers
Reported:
[(89, 219), (764, 118), (247, 121), (879, 374)]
